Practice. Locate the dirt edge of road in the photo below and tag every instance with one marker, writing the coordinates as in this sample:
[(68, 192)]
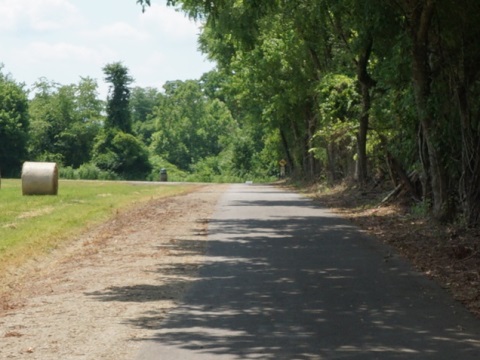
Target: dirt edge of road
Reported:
[(104, 292)]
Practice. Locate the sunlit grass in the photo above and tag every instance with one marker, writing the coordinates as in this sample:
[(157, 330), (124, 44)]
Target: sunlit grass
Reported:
[(33, 225)]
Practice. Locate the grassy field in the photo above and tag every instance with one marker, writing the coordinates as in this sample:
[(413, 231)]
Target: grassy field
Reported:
[(33, 225)]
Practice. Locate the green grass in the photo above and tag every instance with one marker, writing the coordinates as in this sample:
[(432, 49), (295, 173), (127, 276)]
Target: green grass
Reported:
[(33, 225)]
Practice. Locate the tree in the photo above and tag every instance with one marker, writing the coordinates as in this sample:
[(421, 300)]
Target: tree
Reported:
[(118, 107), (87, 104), (420, 15), (339, 109), (122, 154), (79, 137), (14, 125), (142, 104), (463, 52), (116, 149), (189, 125), (444, 57), (65, 120)]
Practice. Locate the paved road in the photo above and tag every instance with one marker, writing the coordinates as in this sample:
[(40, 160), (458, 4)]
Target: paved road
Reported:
[(286, 279)]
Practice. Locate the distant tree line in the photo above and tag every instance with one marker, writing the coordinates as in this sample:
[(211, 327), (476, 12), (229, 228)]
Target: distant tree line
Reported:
[(185, 127)]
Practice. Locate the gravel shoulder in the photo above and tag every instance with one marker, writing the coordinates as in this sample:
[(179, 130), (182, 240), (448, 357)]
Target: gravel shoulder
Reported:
[(78, 302)]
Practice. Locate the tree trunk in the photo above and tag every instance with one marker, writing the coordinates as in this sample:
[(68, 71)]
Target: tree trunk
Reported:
[(331, 166), (424, 161), (296, 149), (405, 181), (420, 24), (286, 149), (311, 130), (366, 83), (470, 180)]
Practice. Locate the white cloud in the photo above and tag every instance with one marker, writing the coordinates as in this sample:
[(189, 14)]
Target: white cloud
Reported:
[(156, 59), (38, 52), (39, 15), (52, 14), (118, 31), (165, 21), (149, 71), (9, 15)]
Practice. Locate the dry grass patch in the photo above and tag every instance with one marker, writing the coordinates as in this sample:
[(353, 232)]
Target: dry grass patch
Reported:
[(31, 226)]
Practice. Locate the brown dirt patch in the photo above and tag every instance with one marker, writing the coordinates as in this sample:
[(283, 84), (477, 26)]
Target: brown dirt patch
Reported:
[(78, 302), (448, 254)]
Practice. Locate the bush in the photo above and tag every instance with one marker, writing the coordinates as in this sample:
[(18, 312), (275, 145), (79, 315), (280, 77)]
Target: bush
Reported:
[(158, 163), (116, 152), (87, 172), (67, 172)]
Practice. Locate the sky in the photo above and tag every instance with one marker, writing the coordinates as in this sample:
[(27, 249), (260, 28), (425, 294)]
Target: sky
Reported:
[(64, 40)]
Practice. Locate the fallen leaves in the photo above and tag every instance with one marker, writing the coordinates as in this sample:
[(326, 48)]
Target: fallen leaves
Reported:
[(447, 254)]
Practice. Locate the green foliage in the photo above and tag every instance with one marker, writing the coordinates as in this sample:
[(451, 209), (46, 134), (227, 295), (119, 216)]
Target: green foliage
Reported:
[(334, 144), (420, 209), (14, 125), (215, 169), (133, 154), (86, 172), (338, 99), (143, 3), (243, 151), (142, 103), (118, 102), (189, 126), (174, 173), (206, 170), (122, 154), (65, 120)]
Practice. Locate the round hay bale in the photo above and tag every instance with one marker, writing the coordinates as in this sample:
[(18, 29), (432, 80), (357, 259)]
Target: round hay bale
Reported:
[(39, 178)]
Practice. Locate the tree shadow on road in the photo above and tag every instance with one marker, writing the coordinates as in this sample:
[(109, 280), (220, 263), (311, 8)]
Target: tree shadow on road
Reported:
[(304, 287)]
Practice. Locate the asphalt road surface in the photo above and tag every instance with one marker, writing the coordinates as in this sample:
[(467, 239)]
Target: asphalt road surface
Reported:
[(286, 279)]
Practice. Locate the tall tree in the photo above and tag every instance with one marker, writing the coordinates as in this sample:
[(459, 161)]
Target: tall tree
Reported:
[(65, 120), (465, 72), (142, 103), (14, 125), (121, 154), (118, 108), (116, 149), (419, 15), (189, 125)]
